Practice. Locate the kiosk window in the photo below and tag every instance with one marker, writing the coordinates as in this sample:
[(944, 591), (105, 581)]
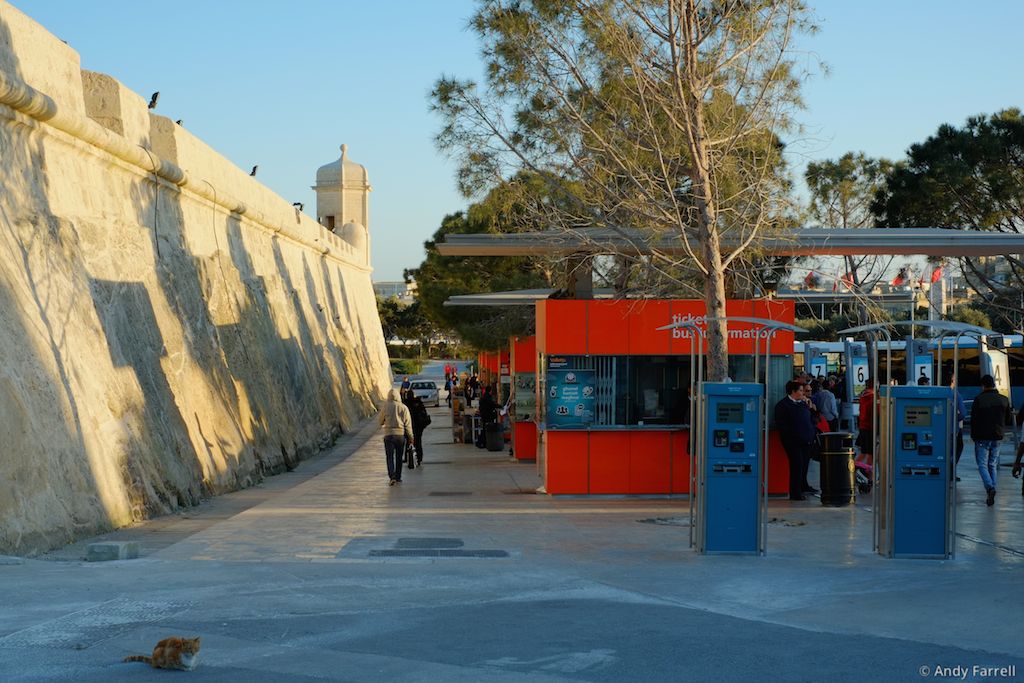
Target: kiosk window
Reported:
[(917, 416), (648, 390), (729, 413)]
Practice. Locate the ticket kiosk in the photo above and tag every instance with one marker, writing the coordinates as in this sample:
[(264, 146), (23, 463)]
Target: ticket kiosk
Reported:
[(917, 505), (730, 488)]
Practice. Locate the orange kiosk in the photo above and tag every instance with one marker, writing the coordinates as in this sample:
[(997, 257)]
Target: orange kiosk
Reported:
[(624, 429), (523, 351), (494, 371)]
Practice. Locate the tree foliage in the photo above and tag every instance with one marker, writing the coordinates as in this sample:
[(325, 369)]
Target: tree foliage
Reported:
[(440, 277), (650, 119), (406, 322), (841, 194), (969, 178), (825, 329), (971, 316)]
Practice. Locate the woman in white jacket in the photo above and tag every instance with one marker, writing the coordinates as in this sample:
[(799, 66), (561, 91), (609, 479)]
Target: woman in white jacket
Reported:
[(397, 422)]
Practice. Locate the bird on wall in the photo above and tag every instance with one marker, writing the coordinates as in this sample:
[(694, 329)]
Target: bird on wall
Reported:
[(153, 99), (178, 122), (253, 171), (298, 205)]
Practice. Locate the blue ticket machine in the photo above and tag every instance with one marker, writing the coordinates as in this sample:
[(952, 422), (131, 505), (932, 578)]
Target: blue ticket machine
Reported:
[(918, 510), (731, 504)]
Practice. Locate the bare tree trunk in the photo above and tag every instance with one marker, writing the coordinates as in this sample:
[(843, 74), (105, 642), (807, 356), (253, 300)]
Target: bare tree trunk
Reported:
[(714, 298), (714, 278), (707, 211)]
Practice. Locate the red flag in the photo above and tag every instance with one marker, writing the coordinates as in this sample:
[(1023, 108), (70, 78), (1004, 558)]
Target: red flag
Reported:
[(900, 278), (811, 281), (848, 280), (937, 274)]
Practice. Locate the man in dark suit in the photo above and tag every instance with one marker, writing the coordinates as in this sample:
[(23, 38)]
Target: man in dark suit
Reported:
[(795, 422)]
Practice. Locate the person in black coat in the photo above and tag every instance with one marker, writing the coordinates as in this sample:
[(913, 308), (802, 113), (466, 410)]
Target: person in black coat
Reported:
[(795, 421), (488, 414), (488, 408), (420, 420)]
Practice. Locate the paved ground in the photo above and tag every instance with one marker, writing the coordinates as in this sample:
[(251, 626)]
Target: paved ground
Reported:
[(463, 574)]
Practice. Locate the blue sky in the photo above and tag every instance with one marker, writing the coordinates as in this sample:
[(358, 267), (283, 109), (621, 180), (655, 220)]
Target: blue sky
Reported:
[(282, 85)]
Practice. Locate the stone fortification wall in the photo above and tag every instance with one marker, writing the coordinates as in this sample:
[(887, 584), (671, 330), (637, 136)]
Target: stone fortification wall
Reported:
[(169, 328)]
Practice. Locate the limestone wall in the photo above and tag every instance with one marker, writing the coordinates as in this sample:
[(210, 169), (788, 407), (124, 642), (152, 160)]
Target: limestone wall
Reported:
[(169, 327)]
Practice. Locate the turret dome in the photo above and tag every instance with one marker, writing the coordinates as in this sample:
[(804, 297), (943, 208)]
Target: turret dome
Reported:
[(343, 170)]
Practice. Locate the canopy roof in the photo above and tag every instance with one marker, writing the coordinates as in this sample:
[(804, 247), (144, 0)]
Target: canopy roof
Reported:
[(800, 242)]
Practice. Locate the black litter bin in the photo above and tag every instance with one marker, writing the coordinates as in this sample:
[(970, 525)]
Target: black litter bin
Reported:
[(494, 437), (838, 473)]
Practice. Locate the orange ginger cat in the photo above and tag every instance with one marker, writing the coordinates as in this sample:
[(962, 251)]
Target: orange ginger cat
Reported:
[(171, 653)]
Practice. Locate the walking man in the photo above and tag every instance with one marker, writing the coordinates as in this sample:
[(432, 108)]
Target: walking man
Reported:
[(990, 414), (397, 423)]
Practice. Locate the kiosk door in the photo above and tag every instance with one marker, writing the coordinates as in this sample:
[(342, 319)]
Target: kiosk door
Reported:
[(731, 504)]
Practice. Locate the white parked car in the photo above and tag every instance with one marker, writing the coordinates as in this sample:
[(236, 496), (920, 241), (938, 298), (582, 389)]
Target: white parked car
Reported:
[(426, 391)]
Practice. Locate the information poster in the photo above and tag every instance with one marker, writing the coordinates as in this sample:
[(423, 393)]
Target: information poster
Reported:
[(859, 372), (994, 361), (817, 363), (818, 368), (571, 398), (526, 396)]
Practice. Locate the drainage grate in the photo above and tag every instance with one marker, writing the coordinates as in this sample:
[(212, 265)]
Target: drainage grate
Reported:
[(437, 552), (525, 492), (450, 493), (429, 543)]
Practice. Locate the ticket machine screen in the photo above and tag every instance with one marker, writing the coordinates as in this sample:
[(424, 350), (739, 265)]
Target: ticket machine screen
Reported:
[(729, 413), (917, 416)]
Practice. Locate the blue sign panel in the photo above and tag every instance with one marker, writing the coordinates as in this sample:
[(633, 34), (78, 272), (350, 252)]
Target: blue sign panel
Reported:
[(571, 397)]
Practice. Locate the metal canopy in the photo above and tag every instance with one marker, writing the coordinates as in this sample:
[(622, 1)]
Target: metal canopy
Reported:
[(941, 325), (799, 242), (519, 297), (815, 298)]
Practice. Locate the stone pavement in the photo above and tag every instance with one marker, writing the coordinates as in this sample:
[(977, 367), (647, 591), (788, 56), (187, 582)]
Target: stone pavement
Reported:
[(463, 573)]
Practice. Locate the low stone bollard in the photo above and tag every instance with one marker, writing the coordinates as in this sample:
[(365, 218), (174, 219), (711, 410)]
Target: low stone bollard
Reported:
[(112, 550)]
